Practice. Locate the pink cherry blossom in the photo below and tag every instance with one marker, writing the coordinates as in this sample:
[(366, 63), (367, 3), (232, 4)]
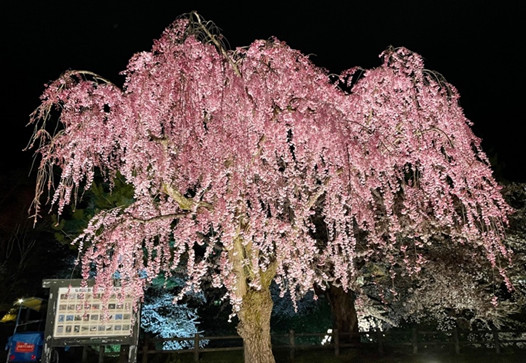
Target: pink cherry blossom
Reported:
[(239, 151)]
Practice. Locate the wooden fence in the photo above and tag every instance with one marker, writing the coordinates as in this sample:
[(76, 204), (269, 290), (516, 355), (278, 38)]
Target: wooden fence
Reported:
[(414, 339)]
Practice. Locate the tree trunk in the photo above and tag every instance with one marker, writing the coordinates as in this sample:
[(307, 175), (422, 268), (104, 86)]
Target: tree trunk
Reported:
[(254, 326), (344, 314)]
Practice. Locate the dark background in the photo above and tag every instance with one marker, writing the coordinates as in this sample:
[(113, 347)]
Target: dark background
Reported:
[(476, 45)]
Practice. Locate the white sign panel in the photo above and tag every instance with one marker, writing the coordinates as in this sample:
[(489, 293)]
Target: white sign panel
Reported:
[(81, 313)]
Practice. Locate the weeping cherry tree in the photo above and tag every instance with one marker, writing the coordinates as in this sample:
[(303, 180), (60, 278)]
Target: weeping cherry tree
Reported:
[(233, 153)]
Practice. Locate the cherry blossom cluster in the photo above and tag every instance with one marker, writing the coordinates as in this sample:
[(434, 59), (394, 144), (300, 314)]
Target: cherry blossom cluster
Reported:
[(233, 156)]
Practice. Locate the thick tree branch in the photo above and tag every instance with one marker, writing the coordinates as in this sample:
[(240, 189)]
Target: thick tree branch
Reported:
[(184, 202)]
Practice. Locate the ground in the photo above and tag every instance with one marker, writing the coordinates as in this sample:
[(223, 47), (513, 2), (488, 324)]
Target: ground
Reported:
[(366, 355)]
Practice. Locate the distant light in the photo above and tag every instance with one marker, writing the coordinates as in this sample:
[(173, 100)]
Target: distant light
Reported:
[(327, 338), (20, 301)]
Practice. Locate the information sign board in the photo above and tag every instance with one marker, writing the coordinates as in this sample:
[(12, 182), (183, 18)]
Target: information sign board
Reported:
[(82, 313), (80, 316)]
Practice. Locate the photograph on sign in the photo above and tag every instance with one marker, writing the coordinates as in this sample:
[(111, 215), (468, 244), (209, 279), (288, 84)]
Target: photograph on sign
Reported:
[(81, 313)]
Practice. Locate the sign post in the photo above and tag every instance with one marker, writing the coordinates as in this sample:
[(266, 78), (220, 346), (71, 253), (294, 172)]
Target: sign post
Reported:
[(79, 316)]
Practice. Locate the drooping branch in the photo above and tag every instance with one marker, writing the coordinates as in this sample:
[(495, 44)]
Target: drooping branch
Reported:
[(204, 27), (250, 161)]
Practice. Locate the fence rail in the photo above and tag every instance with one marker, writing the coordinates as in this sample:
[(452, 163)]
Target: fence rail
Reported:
[(415, 339)]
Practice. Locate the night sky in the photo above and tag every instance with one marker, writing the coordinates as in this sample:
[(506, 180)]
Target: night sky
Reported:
[(477, 45)]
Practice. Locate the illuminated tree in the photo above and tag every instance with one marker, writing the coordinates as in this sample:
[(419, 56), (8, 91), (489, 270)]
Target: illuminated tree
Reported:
[(233, 153), (453, 287), (161, 318)]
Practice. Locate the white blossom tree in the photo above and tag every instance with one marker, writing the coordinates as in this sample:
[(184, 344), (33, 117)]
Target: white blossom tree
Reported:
[(163, 319)]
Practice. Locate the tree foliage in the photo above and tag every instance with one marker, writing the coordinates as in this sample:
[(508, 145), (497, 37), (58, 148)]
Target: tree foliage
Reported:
[(235, 152), (160, 317), (26, 253), (100, 196), (453, 287)]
